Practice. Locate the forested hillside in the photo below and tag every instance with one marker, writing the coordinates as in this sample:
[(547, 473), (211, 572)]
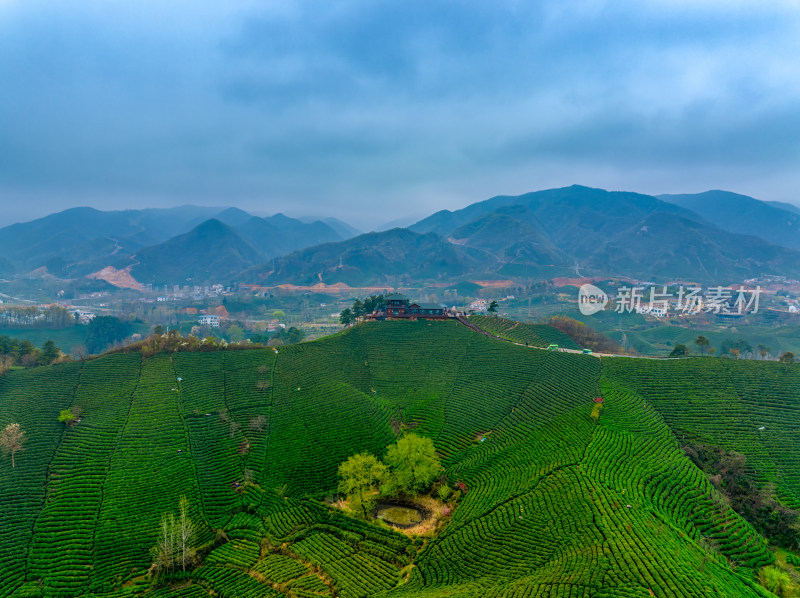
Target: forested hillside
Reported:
[(572, 475)]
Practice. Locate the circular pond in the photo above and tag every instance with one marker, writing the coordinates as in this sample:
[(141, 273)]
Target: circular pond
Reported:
[(401, 515)]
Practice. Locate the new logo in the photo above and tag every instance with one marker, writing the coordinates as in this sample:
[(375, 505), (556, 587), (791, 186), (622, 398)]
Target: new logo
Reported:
[(591, 299)]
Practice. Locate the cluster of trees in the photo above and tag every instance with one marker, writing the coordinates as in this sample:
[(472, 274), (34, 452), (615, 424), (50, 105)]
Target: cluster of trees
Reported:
[(23, 353), (410, 466), (728, 471), (361, 308), (584, 335), (12, 441), (55, 316), (730, 348), (776, 581), (176, 540), (104, 332), (173, 342)]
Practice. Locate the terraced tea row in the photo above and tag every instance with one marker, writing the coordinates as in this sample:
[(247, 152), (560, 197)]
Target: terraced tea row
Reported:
[(745, 406), (535, 335)]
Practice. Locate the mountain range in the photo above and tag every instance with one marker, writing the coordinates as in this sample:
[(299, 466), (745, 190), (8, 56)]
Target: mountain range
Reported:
[(570, 231), (715, 236), (175, 245)]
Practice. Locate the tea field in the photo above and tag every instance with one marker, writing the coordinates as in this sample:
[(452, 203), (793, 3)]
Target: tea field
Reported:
[(535, 335), (560, 498)]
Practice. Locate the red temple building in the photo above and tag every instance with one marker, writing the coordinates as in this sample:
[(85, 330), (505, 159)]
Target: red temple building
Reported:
[(398, 306)]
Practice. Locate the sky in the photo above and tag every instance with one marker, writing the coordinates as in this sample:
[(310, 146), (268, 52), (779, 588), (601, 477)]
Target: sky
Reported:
[(374, 110)]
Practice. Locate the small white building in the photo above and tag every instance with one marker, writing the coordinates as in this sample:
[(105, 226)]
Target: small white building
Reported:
[(83, 317), (209, 320), (479, 305)]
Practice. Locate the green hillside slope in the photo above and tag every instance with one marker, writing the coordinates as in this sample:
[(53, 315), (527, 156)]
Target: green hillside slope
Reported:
[(536, 335), (746, 406), (557, 503)]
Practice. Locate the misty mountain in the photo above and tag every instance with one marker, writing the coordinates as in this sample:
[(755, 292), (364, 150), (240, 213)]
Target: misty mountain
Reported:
[(562, 211), (745, 215), (632, 234), (389, 258), (667, 247), (234, 217), (574, 230), (77, 241), (404, 222), (784, 206), (80, 241), (208, 253), (555, 232), (344, 230), (511, 234), (279, 234), (215, 251)]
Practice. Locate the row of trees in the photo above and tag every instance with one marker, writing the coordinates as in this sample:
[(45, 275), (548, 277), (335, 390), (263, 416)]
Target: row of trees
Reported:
[(173, 341), (729, 347), (55, 316), (101, 333), (410, 466)]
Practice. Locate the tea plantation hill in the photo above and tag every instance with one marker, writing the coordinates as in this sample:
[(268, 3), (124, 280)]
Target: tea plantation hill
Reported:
[(557, 504)]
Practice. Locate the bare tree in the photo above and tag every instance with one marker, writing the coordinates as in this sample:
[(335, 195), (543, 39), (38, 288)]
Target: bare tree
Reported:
[(186, 532), (166, 541), (79, 352), (11, 440), (176, 536)]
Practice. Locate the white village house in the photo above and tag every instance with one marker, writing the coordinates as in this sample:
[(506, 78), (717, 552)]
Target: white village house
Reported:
[(479, 305), (209, 320)]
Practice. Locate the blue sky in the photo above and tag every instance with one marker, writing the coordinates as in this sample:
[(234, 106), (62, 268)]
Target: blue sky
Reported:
[(371, 110)]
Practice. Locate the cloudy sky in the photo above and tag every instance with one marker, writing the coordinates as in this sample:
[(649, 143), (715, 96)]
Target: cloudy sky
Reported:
[(375, 110)]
